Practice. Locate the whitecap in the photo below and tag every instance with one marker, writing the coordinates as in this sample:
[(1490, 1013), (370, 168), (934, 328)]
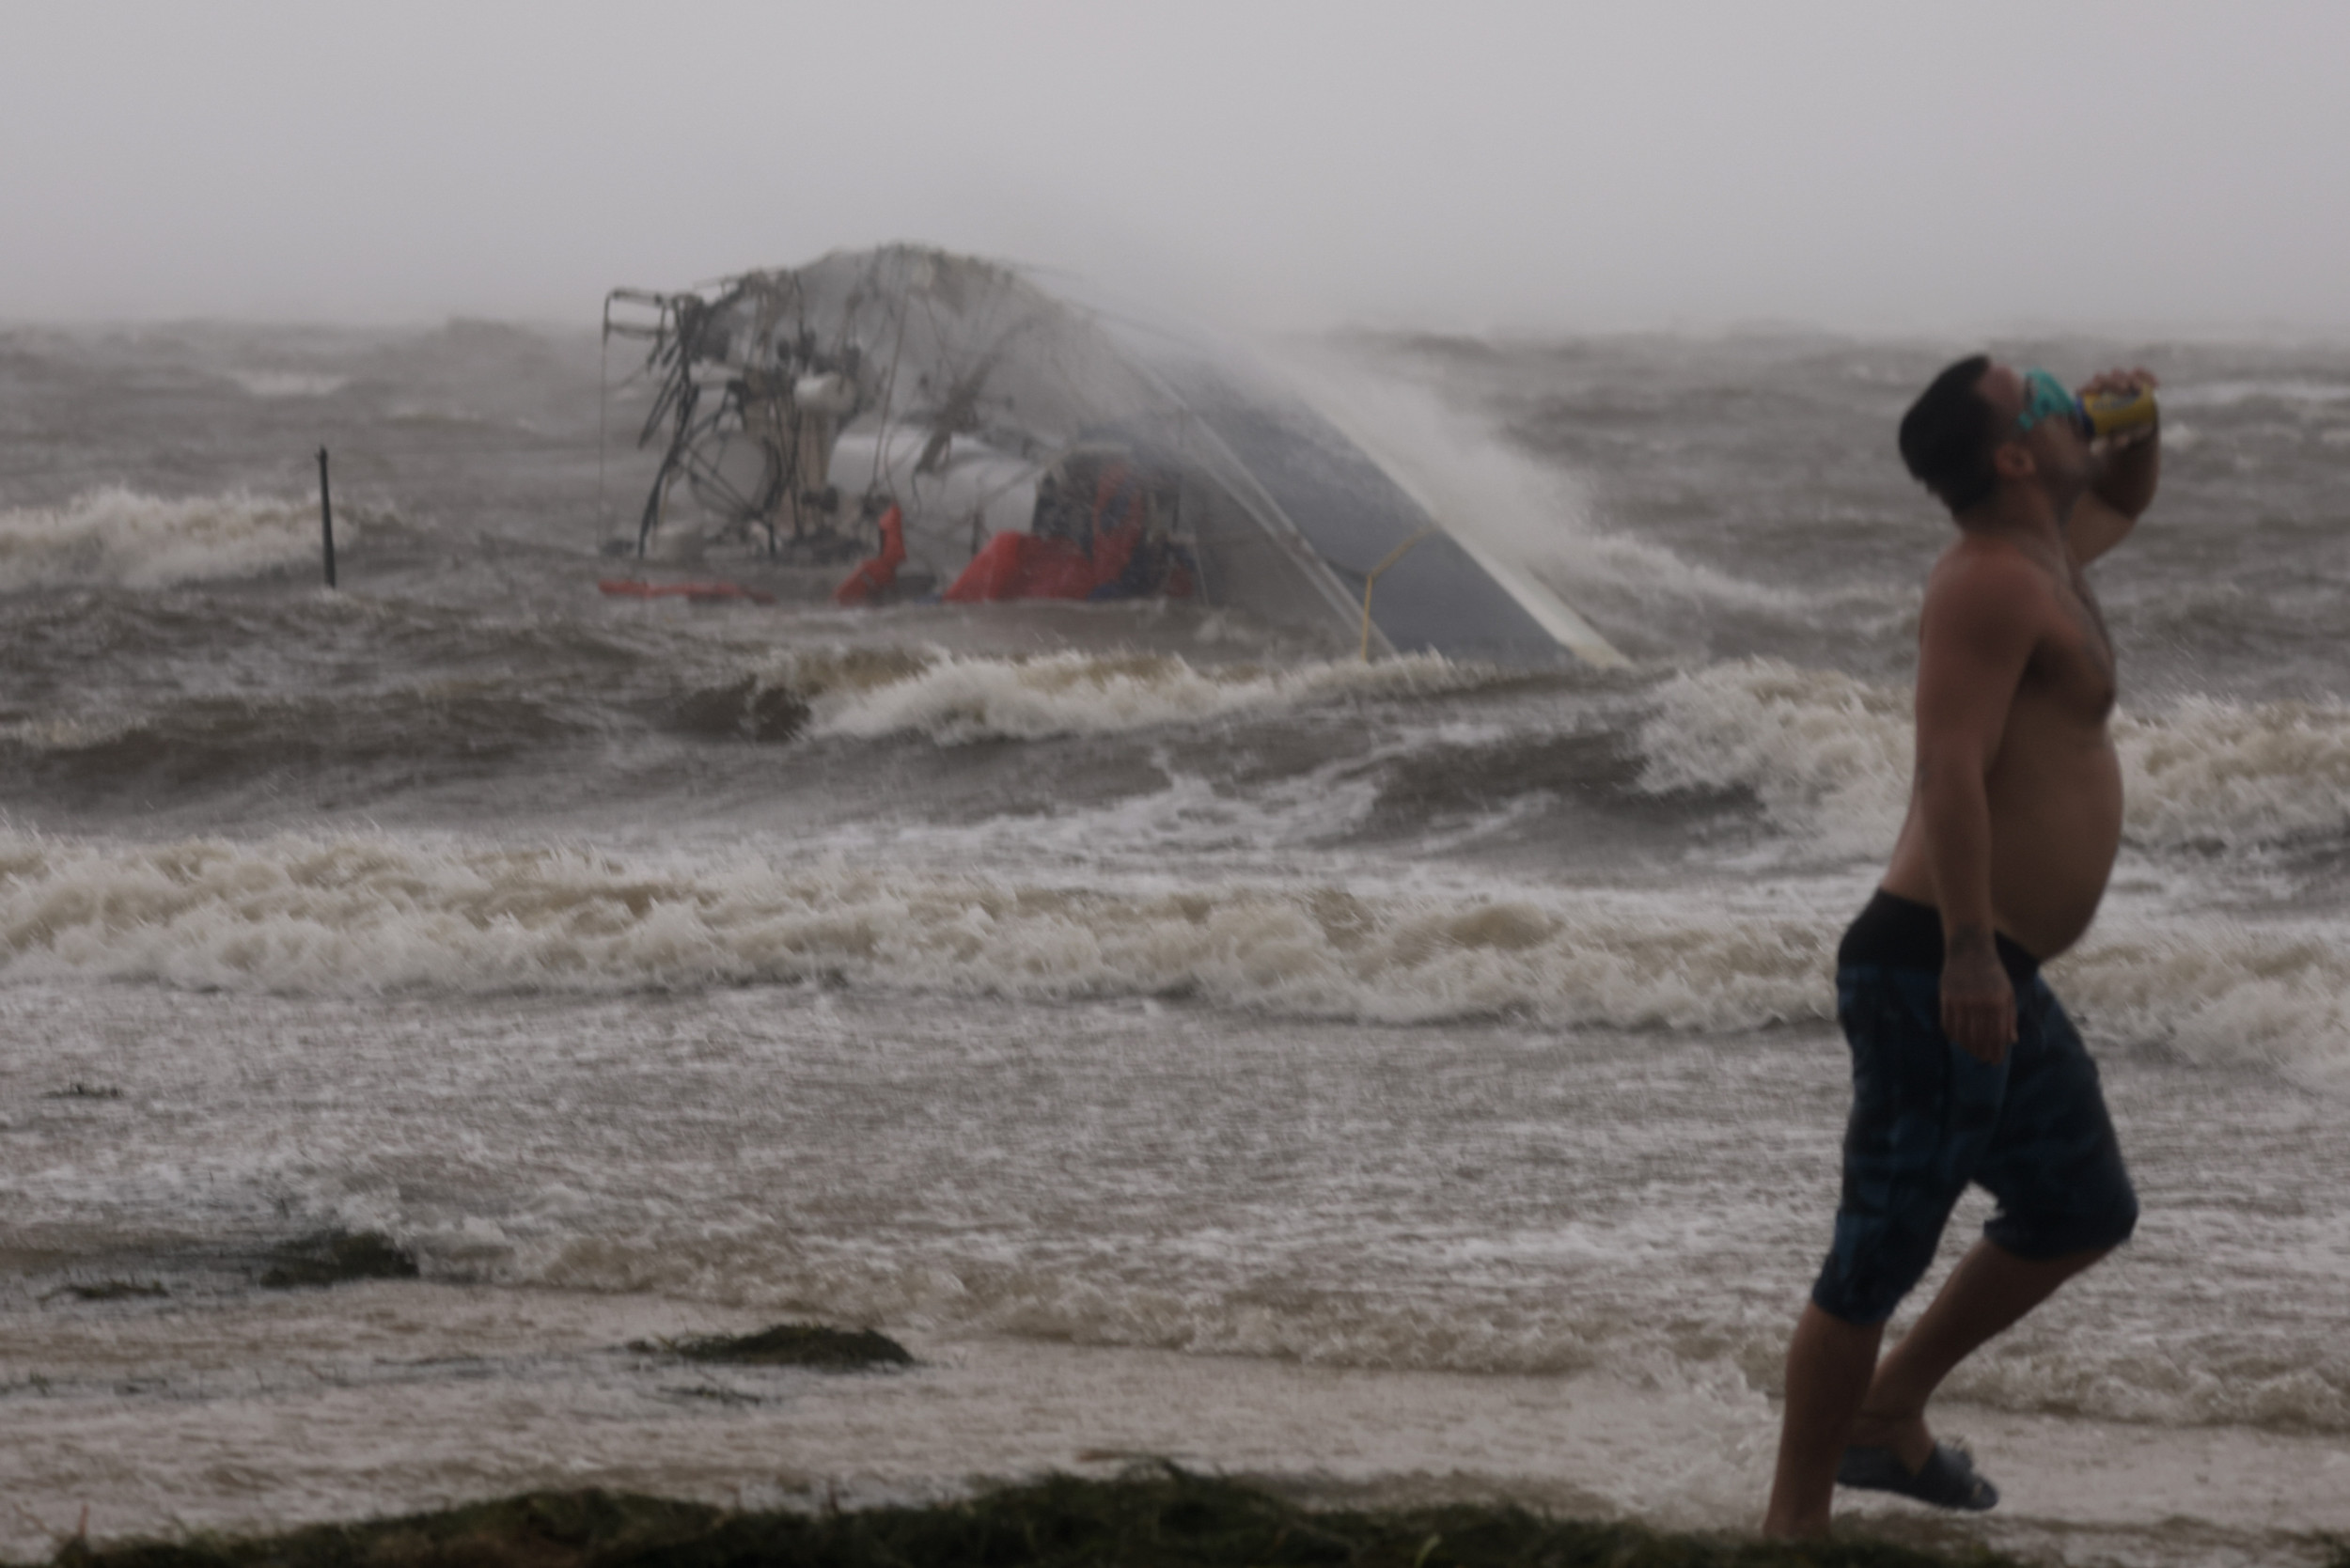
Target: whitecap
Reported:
[(126, 538)]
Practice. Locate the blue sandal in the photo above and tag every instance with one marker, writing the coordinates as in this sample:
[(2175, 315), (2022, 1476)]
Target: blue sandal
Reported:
[(1947, 1480)]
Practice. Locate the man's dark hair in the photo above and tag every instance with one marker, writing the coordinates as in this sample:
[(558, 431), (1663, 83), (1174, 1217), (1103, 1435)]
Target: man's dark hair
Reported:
[(1947, 435)]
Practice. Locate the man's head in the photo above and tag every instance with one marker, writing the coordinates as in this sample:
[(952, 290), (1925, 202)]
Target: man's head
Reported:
[(1980, 424)]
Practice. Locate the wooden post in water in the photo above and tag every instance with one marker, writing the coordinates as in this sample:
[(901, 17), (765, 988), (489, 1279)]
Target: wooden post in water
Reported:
[(326, 518)]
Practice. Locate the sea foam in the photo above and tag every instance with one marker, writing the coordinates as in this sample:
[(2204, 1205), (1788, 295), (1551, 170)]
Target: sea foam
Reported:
[(358, 915), (354, 915), (1828, 755), (953, 699), (287, 383), (118, 535)]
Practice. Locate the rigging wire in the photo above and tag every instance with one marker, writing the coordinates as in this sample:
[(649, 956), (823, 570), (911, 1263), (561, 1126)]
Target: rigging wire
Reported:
[(604, 417), (890, 389)]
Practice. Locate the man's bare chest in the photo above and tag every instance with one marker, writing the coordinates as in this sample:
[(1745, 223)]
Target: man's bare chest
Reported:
[(2073, 665)]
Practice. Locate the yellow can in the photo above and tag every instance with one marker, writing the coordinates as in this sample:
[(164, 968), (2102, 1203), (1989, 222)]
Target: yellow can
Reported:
[(2120, 413)]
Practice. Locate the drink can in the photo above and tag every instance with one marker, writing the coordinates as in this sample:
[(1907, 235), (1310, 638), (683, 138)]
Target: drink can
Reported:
[(2120, 413)]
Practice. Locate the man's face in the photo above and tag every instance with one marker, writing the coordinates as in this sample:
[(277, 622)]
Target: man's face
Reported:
[(2059, 456)]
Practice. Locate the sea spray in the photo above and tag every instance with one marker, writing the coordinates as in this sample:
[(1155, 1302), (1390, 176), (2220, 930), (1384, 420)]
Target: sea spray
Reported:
[(1530, 515), (117, 535)]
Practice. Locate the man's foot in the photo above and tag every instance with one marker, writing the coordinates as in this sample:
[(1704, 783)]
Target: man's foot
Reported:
[(1946, 1479), (1904, 1433)]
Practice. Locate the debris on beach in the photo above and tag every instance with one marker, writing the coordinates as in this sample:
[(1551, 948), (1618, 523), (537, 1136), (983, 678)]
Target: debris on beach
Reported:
[(1161, 1517), (115, 1290), (79, 1090), (336, 1257), (787, 1344)]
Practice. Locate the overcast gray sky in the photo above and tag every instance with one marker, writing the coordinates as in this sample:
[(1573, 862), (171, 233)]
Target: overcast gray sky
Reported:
[(1882, 165)]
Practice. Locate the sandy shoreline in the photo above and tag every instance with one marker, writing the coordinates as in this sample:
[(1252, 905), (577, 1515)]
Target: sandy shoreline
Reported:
[(1153, 1515), (258, 1414)]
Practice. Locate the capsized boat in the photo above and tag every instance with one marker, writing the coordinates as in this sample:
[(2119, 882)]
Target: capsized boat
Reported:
[(987, 430)]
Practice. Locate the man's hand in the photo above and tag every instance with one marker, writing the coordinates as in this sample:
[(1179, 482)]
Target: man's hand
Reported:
[(1978, 1001), (2117, 380), (2128, 466), (2123, 383)]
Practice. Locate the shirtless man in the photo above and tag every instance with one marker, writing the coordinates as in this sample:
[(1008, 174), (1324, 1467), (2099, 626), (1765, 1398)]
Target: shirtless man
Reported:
[(1964, 1066)]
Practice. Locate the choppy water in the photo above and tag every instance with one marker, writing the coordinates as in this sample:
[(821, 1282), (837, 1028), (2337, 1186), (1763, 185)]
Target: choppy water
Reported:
[(1190, 1042)]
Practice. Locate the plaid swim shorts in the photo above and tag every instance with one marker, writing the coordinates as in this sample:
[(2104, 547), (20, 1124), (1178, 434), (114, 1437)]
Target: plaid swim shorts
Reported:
[(1928, 1118)]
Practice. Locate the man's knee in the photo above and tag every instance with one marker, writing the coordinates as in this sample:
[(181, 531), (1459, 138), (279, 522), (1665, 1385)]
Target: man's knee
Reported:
[(2083, 1237), (1870, 1267)]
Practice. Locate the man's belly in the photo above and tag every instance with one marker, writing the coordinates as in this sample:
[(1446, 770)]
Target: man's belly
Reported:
[(2056, 824)]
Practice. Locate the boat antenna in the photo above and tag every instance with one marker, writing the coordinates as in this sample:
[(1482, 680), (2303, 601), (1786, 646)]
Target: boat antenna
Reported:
[(604, 419), (889, 389)]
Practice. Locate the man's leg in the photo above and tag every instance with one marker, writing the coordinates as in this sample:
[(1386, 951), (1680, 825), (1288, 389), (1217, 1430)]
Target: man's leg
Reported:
[(1989, 1290), (2056, 1168), (1901, 1177), (1829, 1363)]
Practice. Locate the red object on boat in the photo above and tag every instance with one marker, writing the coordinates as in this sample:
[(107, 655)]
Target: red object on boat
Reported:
[(629, 589), (995, 573), (1026, 566), (1045, 566), (880, 572)]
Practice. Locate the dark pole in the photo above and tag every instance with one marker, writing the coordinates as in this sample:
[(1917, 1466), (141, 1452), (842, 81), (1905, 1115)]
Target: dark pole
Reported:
[(326, 518)]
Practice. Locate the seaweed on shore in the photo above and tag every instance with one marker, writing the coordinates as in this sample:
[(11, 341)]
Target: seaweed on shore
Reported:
[(787, 1344), (333, 1257), (79, 1090), (1166, 1518), (114, 1290)]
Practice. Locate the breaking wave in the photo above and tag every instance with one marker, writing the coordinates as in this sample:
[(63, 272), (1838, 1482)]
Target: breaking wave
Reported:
[(1829, 756), (287, 383), (955, 699), (1825, 754), (2216, 989), (123, 537), (363, 916), (2213, 772)]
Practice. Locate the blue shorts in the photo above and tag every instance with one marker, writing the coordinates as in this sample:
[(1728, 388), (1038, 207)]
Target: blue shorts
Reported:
[(1928, 1118)]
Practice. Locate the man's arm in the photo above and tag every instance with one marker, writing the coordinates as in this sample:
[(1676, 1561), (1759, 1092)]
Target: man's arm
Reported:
[(2124, 486), (1976, 635)]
